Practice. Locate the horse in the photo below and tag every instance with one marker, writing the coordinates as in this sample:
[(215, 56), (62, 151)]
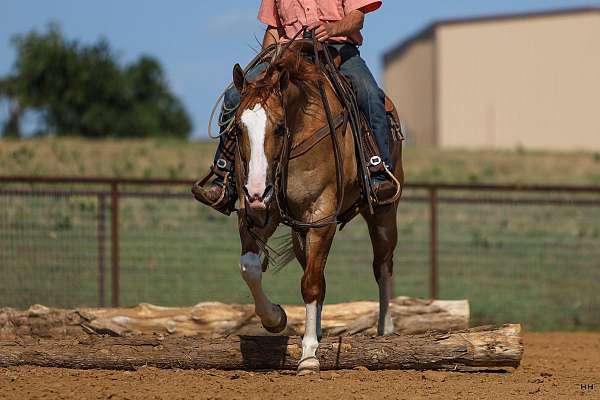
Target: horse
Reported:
[(286, 97)]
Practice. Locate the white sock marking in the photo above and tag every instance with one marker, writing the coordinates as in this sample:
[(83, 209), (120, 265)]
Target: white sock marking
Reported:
[(310, 341), (385, 325), (255, 121), (251, 270)]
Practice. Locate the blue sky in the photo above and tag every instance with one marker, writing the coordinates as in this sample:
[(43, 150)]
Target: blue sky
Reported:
[(198, 41)]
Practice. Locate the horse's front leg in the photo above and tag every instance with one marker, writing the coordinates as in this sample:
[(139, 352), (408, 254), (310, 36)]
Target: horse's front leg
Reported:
[(272, 316), (317, 244)]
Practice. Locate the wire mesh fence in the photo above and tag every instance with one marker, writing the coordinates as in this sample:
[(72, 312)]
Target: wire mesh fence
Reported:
[(529, 255)]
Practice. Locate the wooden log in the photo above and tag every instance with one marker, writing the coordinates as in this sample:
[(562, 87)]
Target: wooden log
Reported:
[(476, 349), (212, 319)]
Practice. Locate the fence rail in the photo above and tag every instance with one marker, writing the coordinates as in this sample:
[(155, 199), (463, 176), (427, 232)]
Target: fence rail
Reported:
[(109, 193)]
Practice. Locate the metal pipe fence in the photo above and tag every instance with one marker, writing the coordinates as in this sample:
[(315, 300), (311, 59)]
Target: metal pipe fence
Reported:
[(517, 251)]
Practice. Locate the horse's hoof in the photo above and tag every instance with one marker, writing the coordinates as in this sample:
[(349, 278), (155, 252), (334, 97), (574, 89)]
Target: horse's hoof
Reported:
[(282, 322), (308, 365)]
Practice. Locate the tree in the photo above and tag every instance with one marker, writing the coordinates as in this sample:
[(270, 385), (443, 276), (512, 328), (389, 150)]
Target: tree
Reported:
[(82, 90), (8, 90)]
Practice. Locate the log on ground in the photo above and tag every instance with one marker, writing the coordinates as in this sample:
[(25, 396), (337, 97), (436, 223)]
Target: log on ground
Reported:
[(476, 349), (213, 319)]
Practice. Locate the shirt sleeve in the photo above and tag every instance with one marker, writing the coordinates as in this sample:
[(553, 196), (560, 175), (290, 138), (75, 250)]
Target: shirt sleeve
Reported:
[(267, 13), (366, 6)]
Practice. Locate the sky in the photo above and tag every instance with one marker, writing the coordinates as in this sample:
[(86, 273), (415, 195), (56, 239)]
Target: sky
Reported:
[(198, 42)]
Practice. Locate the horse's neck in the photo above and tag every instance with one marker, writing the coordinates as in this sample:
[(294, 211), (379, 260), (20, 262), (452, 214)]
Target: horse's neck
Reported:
[(313, 117)]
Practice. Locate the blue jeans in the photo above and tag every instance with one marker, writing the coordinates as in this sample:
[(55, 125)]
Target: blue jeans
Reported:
[(370, 98)]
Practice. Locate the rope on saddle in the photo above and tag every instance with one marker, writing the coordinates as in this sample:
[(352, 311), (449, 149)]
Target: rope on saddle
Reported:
[(228, 124), (273, 51)]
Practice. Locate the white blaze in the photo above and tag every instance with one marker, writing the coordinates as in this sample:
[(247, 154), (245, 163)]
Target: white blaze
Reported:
[(255, 121)]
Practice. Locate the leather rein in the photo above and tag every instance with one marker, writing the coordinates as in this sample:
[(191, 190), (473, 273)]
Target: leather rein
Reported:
[(288, 152)]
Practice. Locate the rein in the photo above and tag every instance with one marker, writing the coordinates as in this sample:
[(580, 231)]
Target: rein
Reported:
[(350, 114), (282, 168)]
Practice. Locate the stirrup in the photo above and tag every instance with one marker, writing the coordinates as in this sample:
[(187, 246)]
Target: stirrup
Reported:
[(225, 204), (376, 165), (398, 186)]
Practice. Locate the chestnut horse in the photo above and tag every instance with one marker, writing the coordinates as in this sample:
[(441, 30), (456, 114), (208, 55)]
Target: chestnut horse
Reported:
[(312, 190)]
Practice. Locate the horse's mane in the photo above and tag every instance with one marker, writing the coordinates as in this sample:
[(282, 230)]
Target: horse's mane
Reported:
[(301, 70), (302, 73)]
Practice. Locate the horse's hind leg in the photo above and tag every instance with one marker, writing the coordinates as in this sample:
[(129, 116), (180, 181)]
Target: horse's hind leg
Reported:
[(384, 235), (271, 315), (312, 251)]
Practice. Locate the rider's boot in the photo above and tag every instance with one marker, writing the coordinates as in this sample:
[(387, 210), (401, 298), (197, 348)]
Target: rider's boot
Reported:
[(383, 187), (220, 193), (382, 184)]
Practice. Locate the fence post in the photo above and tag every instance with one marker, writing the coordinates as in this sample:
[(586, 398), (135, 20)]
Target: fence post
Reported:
[(433, 243), (101, 249), (114, 210)]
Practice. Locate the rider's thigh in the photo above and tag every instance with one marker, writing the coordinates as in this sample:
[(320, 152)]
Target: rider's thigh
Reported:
[(363, 81)]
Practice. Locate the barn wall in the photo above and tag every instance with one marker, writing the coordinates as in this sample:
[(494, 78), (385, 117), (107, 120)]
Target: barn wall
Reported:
[(408, 80), (530, 82)]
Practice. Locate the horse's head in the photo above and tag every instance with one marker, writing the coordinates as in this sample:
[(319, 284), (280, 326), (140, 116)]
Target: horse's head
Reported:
[(262, 120)]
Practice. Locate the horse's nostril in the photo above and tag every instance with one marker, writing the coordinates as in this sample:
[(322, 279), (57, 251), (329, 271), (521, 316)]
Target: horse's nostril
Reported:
[(252, 196)]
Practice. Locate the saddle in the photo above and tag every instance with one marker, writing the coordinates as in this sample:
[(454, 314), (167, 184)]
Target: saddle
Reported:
[(306, 47), (368, 150)]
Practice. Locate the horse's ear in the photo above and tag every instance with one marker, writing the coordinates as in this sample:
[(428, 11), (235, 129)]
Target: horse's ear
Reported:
[(239, 80), (284, 80)]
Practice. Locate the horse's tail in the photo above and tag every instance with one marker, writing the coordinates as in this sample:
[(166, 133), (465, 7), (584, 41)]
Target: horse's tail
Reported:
[(281, 251)]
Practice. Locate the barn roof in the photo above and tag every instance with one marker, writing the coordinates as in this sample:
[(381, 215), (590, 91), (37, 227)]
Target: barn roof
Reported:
[(428, 31)]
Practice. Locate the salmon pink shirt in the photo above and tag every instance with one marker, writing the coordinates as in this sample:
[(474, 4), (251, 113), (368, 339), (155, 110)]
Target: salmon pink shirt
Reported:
[(292, 15)]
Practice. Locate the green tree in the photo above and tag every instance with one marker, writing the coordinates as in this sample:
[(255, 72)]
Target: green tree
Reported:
[(8, 92), (82, 90)]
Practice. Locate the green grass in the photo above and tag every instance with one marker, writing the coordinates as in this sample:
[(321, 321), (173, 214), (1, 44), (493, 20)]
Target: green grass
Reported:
[(155, 158), (538, 265)]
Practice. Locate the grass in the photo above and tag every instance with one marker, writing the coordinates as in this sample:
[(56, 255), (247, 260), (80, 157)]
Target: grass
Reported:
[(538, 265), (178, 159)]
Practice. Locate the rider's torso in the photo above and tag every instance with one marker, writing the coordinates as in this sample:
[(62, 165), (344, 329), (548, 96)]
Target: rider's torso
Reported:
[(294, 14)]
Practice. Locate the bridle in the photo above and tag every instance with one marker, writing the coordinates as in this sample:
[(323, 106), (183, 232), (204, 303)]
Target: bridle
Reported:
[(281, 171), (282, 167)]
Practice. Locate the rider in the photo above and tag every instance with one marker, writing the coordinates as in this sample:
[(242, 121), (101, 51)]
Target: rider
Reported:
[(337, 23)]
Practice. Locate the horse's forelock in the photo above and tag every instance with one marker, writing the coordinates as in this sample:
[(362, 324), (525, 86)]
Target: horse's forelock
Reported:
[(301, 72), (299, 68)]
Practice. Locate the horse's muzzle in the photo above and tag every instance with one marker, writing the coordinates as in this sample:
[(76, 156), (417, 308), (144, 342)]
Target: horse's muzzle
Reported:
[(259, 201)]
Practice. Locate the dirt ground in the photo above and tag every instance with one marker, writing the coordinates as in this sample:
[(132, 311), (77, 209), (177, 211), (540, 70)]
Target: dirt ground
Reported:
[(555, 365)]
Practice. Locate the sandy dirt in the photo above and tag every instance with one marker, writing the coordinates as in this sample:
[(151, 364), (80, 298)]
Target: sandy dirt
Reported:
[(555, 365)]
